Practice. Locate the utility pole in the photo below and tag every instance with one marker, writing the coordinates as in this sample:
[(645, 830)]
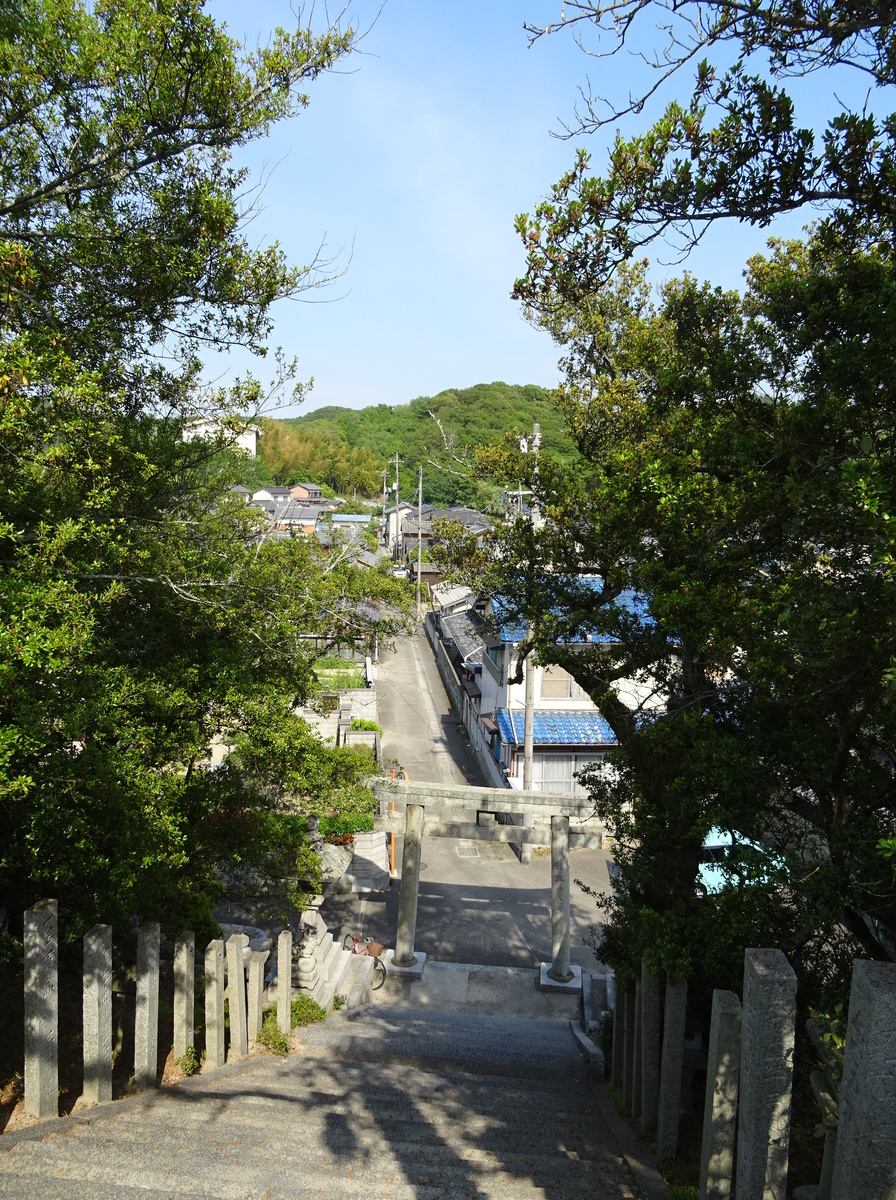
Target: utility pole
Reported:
[(529, 726), (385, 526), (419, 533)]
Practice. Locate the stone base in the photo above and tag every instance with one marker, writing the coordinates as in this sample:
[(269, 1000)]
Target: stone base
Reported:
[(414, 972), (546, 984)]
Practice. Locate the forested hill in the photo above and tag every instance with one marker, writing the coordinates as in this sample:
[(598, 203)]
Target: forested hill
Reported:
[(469, 417)]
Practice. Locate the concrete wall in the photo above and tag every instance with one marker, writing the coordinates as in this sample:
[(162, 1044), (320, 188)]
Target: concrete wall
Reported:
[(445, 666)]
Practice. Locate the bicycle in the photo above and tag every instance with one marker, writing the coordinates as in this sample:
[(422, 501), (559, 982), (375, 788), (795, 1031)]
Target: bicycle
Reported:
[(352, 942)]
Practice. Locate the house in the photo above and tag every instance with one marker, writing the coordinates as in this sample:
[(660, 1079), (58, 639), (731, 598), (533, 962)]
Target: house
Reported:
[(306, 491), (392, 532), (243, 438), (569, 732), (272, 494)]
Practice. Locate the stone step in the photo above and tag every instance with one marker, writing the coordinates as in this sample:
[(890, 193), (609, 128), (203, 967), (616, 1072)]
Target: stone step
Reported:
[(51, 1174), (241, 1144), (391, 1102), (408, 1099), (508, 1045), (352, 1135)]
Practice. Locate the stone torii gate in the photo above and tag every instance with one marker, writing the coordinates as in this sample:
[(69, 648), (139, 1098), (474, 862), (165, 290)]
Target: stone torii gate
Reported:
[(554, 809)]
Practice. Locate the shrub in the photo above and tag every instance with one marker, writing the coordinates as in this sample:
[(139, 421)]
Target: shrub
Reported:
[(305, 1010), (190, 1063), (364, 723)]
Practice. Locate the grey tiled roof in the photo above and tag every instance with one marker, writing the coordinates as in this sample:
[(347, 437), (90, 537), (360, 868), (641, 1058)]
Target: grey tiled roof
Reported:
[(464, 632)]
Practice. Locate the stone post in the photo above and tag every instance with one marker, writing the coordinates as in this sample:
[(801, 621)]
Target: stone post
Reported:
[(636, 1056), (670, 1070), (560, 899), (865, 1156), (42, 1010), (628, 1057), (236, 995), (146, 1025), (97, 1015), (650, 1049), (214, 1003), (410, 881), (184, 988), (766, 1074), (618, 1037), (720, 1110), (284, 982), (257, 959)]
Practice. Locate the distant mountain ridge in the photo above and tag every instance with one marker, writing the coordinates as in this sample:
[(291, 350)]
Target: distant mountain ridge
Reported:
[(469, 417)]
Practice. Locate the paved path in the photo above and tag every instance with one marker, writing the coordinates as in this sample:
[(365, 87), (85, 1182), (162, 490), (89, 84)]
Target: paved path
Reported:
[(478, 903), (420, 729)]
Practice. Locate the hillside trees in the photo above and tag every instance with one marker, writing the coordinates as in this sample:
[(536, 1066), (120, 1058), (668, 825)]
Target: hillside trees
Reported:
[(293, 454), (144, 615), (440, 433)]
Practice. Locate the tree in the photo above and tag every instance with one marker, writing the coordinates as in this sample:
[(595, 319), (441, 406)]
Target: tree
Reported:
[(144, 614), (728, 443), (735, 148)]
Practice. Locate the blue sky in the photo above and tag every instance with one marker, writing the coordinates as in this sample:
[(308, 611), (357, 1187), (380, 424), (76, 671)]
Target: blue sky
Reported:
[(411, 163)]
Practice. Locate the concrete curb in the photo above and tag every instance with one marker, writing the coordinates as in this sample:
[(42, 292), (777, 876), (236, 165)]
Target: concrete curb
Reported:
[(592, 1054), (647, 1177)]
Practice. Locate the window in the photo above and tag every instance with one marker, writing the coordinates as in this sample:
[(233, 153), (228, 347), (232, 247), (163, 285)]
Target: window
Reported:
[(555, 683), (496, 654), (558, 684)]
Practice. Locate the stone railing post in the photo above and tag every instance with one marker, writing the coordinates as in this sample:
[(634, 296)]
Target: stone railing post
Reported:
[(720, 1110), (670, 1071), (257, 959), (42, 1010), (236, 994), (865, 1157), (636, 1057), (146, 1025), (410, 882), (184, 992), (284, 982), (766, 1075), (97, 1015), (650, 1049), (628, 1057), (618, 1037), (214, 1003), (560, 969)]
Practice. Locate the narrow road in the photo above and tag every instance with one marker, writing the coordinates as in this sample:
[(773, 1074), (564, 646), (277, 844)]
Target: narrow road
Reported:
[(420, 730)]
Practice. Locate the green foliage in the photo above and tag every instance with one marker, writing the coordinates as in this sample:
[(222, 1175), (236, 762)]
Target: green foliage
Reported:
[(144, 618), (339, 1002), (306, 1011), (294, 455), (737, 473), (833, 1038), (364, 723), (740, 146), (190, 1063), (270, 1036)]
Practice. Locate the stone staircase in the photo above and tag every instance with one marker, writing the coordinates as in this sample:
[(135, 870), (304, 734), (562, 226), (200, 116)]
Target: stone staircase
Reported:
[(369, 870), (386, 1102)]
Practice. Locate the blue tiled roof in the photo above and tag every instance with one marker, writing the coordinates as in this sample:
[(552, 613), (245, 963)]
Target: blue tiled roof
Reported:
[(555, 727), (630, 601)]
